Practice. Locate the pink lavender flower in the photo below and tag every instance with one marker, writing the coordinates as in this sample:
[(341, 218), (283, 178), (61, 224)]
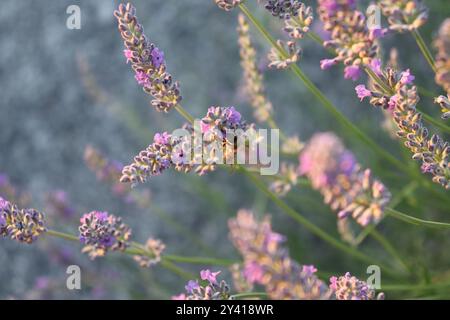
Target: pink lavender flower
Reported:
[(362, 92), (406, 78), (375, 66), (147, 61), (209, 276), (23, 225), (128, 54), (212, 291), (334, 172), (352, 72), (349, 287), (267, 263), (327, 63), (101, 232)]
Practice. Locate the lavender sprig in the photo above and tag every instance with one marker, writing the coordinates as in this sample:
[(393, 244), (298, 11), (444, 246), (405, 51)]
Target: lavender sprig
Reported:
[(354, 44), (147, 61), (334, 171), (23, 225), (253, 78), (399, 95), (267, 263), (101, 232)]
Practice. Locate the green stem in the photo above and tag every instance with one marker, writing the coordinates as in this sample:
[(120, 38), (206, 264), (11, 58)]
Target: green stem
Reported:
[(63, 235), (424, 49), (200, 260), (433, 121), (416, 221), (244, 295)]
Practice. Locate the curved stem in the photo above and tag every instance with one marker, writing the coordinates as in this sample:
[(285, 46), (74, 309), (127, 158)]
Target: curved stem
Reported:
[(416, 221), (424, 49)]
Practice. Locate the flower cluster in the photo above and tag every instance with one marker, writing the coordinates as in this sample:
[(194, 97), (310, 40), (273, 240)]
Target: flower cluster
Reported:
[(279, 60), (267, 263), (202, 147), (228, 5), (23, 225), (351, 39), (349, 287), (334, 171), (155, 247), (211, 289), (442, 45), (147, 61), (283, 9), (101, 232), (254, 82), (404, 15), (399, 95), (110, 171), (298, 25)]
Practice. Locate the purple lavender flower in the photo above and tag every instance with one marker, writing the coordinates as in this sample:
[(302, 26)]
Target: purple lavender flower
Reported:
[(157, 57), (155, 247), (147, 61), (101, 232), (348, 287), (352, 72), (191, 286), (362, 92), (23, 225), (232, 115), (227, 5)]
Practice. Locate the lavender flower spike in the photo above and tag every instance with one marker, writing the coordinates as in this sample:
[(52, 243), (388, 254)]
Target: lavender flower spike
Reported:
[(253, 78), (442, 45), (334, 172), (155, 247), (349, 287), (101, 232), (267, 263), (23, 225), (147, 61)]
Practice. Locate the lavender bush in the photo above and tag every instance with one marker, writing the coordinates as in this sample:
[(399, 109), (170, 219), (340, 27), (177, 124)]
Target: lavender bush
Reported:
[(360, 197)]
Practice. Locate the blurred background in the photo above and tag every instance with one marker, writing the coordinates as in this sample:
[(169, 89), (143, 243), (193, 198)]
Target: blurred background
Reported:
[(62, 90)]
